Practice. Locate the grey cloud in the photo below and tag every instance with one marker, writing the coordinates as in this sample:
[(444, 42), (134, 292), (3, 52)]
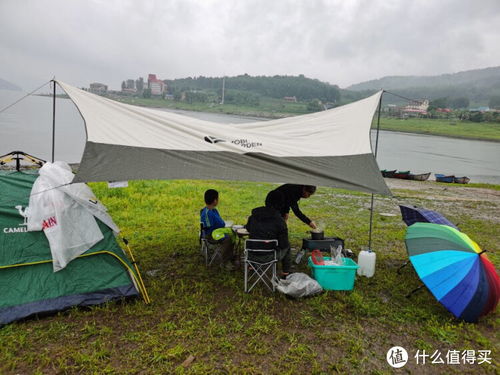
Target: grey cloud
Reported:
[(341, 42)]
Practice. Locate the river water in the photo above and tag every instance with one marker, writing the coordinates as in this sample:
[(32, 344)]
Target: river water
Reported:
[(27, 126)]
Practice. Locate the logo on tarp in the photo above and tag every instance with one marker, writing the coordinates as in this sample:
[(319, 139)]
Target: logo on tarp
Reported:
[(23, 213), (242, 142), (246, 143), (22, 226), (211, 139)]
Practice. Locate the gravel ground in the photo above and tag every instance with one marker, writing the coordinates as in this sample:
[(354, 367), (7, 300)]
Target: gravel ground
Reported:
[(478, 203)]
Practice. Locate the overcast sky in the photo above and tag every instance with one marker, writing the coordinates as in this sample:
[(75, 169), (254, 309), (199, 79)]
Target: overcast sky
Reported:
[(338, 41)]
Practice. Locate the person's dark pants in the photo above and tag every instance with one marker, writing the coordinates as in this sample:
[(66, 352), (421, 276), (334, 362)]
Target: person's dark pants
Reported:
[(227, 248), (286, 259), (283, 255)]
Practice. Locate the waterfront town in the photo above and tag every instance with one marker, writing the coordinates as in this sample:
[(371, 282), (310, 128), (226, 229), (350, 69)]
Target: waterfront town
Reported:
[(155, 87)]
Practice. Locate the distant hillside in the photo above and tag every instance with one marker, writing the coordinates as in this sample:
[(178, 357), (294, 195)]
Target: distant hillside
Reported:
[(478, 85), (6, 85), (301, 87)]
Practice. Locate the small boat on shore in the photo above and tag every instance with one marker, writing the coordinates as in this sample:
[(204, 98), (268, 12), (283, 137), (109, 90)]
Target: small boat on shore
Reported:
[(388, 174), (461, 180), (443, 178), (419, 177), (404, 175)]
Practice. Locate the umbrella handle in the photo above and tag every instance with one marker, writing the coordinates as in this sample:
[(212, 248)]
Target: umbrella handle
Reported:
[(401, 267), (414, 290)]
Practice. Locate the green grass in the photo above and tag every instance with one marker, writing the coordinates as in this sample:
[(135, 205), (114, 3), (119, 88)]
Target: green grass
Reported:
[(268, 107), (205, 313), (449, 128)]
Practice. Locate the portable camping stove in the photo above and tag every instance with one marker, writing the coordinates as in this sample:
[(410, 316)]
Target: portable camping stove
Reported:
[(324, 245)]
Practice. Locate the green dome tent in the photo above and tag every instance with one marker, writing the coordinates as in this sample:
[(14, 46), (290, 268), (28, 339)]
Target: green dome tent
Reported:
[(28, 284)]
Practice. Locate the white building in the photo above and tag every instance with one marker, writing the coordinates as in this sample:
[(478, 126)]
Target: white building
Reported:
[(98, 88)]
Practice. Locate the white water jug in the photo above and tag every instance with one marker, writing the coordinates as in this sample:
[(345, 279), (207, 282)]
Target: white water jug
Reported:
[(366, 263)]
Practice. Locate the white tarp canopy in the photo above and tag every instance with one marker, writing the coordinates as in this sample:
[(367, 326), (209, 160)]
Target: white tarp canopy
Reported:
[(328, 148)]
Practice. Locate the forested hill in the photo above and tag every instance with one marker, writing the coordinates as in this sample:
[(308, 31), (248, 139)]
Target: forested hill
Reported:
[(478, 85), (6, 85), (301, 87)]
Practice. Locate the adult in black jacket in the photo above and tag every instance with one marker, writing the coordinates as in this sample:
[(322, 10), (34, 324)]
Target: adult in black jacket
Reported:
[(266, 223), (292, 194)]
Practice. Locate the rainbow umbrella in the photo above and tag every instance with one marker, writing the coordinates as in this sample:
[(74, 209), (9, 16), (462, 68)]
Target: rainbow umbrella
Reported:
[(454, 268)]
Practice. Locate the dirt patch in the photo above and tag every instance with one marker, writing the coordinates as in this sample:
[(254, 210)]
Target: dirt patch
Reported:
[(451, 192), (477, 203)]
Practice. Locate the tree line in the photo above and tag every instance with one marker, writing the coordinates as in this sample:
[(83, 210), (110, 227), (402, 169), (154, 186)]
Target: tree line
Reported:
[(247, 89)]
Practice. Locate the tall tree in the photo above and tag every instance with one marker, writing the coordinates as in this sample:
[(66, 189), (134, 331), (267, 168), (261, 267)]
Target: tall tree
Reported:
[(146, 93), (139, 84), (438, 103), (458, 103), (495, 102)]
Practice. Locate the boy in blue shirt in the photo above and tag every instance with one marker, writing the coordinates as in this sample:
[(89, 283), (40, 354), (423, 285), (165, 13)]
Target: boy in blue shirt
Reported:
[(214, 228)]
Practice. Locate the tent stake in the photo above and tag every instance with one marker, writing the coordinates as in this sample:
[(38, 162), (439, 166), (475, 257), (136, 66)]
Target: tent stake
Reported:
[(54, 120), (376, 150)]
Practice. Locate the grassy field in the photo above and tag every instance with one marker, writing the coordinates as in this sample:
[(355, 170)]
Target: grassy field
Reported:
[(205, 313), (448, 128), (268, 108)]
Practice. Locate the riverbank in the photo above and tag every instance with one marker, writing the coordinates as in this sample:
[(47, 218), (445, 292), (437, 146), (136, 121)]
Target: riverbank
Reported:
[(445, 128), (274, 108), (204, 313)]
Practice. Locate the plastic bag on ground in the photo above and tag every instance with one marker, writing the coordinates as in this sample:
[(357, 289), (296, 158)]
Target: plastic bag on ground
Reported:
[(299, 285)]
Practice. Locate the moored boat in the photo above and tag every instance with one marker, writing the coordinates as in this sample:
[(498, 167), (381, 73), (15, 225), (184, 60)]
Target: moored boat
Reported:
[(405, 175), (461, 180), (419, 177), (443, 178), (388, 174)]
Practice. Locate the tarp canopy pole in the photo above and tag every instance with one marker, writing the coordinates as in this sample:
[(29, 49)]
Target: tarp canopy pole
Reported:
[(376, 150), (54, 120)]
